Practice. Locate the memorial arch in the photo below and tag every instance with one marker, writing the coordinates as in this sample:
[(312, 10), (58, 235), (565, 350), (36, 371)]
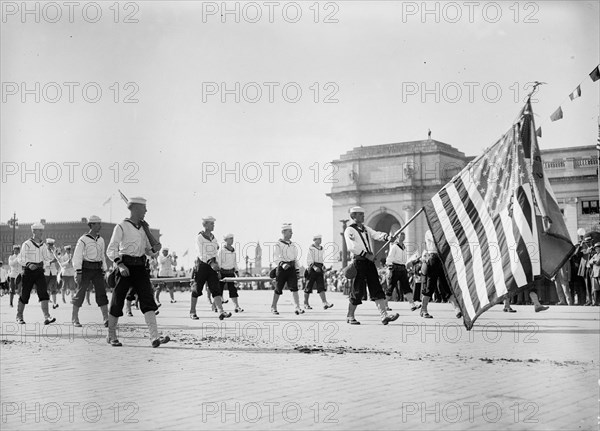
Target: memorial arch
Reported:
[(391, 182)]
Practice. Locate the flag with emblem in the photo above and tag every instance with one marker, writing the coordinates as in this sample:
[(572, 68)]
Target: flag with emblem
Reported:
[(484, 222)]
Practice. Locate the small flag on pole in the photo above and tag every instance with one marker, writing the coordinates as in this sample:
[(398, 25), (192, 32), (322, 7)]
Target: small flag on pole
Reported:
[(538, 132), (576, 93), (556, 115), (124, 197), (595, 74), (107, 201), (185, 253)]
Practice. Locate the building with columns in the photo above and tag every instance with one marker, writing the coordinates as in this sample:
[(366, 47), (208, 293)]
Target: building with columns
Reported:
[(393, 181)]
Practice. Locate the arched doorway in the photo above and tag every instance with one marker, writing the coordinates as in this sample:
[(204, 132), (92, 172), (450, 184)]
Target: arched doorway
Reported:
[(384, 222)]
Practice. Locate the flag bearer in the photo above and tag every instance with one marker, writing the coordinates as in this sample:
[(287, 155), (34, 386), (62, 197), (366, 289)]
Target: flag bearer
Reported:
[(358, 239)]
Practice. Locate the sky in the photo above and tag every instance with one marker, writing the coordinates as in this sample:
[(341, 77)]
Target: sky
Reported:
[(236, 113)]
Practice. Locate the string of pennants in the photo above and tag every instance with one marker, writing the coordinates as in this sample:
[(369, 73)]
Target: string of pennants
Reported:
[(558, 113)]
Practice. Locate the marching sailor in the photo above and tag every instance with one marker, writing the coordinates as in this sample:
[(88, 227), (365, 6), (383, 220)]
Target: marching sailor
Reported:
[(33, 257), (128, 248), (90, 266), (227, 260), (316, 273), (165, 262), (67, 273), (435, 277), (207, 268), (396, 263), (287, 271), (358, 239), (16, 273), (51, 272)]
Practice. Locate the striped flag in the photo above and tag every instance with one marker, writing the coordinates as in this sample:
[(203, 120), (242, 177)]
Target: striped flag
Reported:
[(484, 224)]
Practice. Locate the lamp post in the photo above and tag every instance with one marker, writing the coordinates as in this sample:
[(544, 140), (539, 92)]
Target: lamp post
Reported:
[(247, 264), (13, 223), (344, 247)]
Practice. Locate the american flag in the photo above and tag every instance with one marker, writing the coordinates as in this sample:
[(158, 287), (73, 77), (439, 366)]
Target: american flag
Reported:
[(484, 223)]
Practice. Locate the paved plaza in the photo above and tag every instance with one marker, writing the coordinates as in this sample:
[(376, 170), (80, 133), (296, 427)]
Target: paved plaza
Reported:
[(313, 371)]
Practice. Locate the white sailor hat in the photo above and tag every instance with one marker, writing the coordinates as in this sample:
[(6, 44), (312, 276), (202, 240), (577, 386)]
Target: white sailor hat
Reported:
[(16, 246), (286, 226), (597, 245), (136, 200), (94, 219), (67, 247), (357, 210), (37, 226), (318, 236), (229, 235), (209, 218), (165, 249), (49, 241)]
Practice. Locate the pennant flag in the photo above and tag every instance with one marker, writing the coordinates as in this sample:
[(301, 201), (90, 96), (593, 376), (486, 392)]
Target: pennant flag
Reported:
[(576, 93), (538, 132), (595, 74), (557, 115), (107, 201), (186, 253), (484, 223)]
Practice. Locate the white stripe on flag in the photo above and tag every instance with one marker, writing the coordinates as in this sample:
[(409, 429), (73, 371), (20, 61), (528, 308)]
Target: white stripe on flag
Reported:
[(515, 263), (490, 233), (471, 233), (454, 245)]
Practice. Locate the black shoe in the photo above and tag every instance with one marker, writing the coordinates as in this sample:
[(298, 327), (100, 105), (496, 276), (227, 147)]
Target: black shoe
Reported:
[(274, 311), (156, 312), (326, 306), (388, 319), (308, 307), (509, 310), (158, 304), (114, 343), (160, 340), (238, 309), (194, 316), (426, 315), (352, 321), (106, 323), (49, 321), (130, 314), (224, 315), (20, 321), (459, 315), (415, 307)]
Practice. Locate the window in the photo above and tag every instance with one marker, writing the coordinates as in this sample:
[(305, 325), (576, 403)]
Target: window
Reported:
[(590, 207)]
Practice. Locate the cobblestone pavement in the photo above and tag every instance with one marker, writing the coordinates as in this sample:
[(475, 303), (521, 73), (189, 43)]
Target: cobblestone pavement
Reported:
[(259, 371)]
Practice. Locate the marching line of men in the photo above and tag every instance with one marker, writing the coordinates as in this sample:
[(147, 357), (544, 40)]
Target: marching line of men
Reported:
[(35, 263), (128, 249)]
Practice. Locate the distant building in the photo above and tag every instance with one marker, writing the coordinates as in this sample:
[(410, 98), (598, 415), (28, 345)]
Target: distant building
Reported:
[(65, 233), (393, 181)]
